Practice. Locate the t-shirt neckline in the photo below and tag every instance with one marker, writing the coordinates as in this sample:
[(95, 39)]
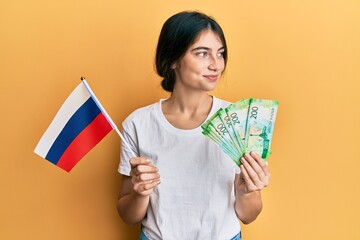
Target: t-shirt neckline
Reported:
[(184, 132)]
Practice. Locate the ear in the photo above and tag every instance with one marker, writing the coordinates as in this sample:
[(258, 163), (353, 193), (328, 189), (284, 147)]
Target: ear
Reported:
[(174, 65)]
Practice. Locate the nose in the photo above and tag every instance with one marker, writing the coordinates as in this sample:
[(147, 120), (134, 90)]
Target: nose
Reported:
[(215, 63)]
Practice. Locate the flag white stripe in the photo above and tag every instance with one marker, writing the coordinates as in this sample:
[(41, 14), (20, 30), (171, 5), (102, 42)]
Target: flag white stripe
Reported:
[(76, 99)]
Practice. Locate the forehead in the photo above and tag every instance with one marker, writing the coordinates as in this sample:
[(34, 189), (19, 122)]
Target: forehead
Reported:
[(207, 38)]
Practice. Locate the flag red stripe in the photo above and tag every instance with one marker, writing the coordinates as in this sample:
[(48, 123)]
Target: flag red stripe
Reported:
[(84, 142)]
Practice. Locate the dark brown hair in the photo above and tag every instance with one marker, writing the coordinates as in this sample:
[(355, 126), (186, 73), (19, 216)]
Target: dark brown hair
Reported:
[(176, 36)]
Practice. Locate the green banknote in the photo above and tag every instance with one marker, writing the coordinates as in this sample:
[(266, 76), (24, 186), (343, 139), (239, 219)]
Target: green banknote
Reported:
[(260, 126), (244, 126), (223, 144), (216, 129), (228, 127), (237, 113)]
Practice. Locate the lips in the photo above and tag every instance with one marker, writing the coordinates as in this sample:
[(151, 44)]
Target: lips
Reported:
[(211, 78)]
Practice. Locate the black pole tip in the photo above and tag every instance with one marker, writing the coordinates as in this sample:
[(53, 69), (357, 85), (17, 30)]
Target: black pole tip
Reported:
[(82, 78)]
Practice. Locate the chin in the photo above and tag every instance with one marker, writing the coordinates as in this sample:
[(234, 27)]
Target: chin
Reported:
[(208, 89), (211, 86)]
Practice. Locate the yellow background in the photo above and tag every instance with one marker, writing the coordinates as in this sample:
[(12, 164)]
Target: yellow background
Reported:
[(304, 53)]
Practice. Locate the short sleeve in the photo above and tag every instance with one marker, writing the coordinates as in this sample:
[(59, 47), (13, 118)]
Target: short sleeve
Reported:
[(130, 137)]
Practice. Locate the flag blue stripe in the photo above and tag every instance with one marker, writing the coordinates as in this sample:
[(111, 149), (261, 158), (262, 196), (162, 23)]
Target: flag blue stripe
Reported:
[(76, 124)]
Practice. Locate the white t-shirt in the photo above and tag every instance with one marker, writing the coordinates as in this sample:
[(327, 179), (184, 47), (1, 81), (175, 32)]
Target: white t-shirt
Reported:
[(195, 199)]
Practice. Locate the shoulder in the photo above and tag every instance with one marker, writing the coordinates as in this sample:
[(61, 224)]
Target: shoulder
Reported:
[(140, 114)]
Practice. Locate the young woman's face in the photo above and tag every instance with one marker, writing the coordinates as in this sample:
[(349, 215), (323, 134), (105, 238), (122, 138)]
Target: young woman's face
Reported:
[(202, 64)]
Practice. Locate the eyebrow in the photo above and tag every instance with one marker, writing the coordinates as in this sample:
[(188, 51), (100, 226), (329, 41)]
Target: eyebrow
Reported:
[(206, 48)]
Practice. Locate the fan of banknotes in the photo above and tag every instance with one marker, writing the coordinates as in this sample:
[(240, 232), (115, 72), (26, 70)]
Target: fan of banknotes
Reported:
[(244, 126)]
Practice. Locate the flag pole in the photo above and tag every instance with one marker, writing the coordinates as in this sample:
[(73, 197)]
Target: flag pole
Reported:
[(108, 118)]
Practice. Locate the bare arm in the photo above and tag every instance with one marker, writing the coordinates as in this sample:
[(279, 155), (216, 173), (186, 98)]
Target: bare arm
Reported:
[(136, 190), (253, 178)]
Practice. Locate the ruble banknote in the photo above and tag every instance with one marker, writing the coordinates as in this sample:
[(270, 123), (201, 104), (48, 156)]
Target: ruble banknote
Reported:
[(260, 126), (244, 126)]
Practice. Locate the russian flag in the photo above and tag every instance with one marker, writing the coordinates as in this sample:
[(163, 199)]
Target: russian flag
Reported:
[(79, 125)]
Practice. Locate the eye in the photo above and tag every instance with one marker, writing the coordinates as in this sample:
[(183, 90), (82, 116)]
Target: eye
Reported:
[(201, 54), (221, 54)]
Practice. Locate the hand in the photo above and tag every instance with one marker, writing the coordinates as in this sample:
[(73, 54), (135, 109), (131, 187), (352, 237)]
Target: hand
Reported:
[(144, 176), (254, 174)]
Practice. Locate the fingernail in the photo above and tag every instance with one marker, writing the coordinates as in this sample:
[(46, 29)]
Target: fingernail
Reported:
[(243, 160), (253, 153)]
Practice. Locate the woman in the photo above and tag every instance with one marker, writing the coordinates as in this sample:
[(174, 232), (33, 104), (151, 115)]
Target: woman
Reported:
[(202, 193)]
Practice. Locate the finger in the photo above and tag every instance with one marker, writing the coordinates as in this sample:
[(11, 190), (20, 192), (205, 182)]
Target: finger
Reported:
[(140, 169), (151, 185), (138, 161), (255, 166), (265, 177), (254, 177), (249, 169), (146, 177), (261, 162), (250, 186), (141, 165), (146, 188)]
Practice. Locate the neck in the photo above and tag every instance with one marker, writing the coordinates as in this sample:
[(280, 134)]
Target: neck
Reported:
[(189, 103)]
